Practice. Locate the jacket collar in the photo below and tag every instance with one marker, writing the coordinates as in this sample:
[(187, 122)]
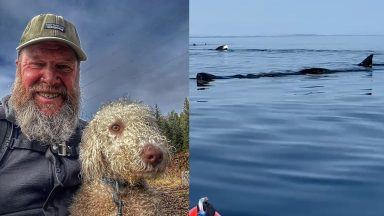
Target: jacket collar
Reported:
[(6, 111)]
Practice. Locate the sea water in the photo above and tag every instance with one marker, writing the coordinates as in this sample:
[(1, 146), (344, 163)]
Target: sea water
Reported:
[(309, 145)]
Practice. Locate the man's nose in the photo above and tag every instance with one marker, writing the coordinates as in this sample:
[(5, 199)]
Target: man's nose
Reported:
[(50, 76)]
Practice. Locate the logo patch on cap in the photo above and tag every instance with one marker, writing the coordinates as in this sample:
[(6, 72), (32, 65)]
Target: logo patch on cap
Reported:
[(54, 26)]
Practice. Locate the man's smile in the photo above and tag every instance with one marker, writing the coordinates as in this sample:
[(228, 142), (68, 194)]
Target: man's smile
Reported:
[(48, 95), (49, 102)]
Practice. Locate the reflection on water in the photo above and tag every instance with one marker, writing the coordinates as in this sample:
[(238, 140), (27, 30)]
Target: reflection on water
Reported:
[(308, 145)]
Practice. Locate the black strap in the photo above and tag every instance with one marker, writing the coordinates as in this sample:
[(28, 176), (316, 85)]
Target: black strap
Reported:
[(116, 193), (10, 134), (6, 132), (2, 111), (6, 129), (71, 147), (21, 142), (68, 149)]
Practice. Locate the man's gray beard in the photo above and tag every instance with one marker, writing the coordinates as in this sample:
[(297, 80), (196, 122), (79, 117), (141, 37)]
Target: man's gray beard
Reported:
[(51, 130), (48, 130)]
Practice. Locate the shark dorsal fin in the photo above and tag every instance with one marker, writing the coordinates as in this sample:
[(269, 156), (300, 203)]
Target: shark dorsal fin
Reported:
[(367, 62)]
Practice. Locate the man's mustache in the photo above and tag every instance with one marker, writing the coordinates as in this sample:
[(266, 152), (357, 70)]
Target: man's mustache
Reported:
[(44, 88)]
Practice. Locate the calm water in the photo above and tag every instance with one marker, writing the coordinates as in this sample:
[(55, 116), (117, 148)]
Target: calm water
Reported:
[(294, 145)]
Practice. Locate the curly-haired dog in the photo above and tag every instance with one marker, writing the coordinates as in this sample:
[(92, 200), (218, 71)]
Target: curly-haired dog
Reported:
[(121, 147)]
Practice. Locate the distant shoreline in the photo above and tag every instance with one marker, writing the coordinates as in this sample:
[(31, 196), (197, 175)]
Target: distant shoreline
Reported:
[(286, 35)]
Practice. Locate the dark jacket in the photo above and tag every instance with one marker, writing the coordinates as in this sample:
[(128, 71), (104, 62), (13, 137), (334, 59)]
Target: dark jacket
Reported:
[(35, 179)]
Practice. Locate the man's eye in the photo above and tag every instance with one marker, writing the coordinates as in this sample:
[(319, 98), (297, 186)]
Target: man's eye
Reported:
[(65, 68), (38, 64)]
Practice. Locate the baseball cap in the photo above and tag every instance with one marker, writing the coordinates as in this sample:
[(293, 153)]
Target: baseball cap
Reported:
[(50, 27)]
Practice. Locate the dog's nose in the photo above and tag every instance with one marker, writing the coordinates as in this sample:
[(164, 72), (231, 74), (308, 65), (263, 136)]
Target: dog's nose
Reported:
[(152, 155)]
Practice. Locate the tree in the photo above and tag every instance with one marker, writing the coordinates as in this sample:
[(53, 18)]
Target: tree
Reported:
[(184, 123), (175, 127), (176, 132), (157, 113)]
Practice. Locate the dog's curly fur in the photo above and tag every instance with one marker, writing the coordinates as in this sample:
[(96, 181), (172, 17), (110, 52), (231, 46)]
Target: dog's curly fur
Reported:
[(111, 148)]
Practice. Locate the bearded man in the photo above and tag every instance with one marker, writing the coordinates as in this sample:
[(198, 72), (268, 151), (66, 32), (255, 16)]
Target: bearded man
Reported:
[(40, 128)]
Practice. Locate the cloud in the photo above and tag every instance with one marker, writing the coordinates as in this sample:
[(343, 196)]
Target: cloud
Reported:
[(5, 83), (5, 61)]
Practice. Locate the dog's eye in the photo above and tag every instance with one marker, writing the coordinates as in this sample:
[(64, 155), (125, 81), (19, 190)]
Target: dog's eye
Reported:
[(115, 128)]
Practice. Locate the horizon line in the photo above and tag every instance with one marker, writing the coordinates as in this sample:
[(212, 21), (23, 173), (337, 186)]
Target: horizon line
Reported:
[(280, 35)]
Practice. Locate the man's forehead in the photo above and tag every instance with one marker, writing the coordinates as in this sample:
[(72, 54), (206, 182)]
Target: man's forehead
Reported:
[(35, 50)]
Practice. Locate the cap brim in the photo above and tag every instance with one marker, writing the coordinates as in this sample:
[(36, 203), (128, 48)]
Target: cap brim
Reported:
[(79, 52)]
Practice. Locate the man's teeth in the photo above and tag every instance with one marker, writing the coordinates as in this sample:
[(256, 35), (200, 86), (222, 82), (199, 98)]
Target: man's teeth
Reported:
[(49, 95)]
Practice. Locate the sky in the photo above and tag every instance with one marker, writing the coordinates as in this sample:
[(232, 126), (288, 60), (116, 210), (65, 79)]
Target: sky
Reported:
[(279, 17), (136, 49)]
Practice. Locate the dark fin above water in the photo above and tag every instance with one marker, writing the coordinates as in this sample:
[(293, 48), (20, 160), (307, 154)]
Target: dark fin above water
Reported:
[(367, 62), (314, 71), (203, 79), (222, 48)]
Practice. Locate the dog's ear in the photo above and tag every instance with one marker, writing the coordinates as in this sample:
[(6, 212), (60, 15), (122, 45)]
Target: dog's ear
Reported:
[(91, 153)]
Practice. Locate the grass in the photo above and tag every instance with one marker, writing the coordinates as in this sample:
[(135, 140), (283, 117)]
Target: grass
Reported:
[(174, 185)]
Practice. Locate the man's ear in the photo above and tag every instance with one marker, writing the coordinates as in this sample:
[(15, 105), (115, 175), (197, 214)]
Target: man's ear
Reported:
[(18, 59)]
